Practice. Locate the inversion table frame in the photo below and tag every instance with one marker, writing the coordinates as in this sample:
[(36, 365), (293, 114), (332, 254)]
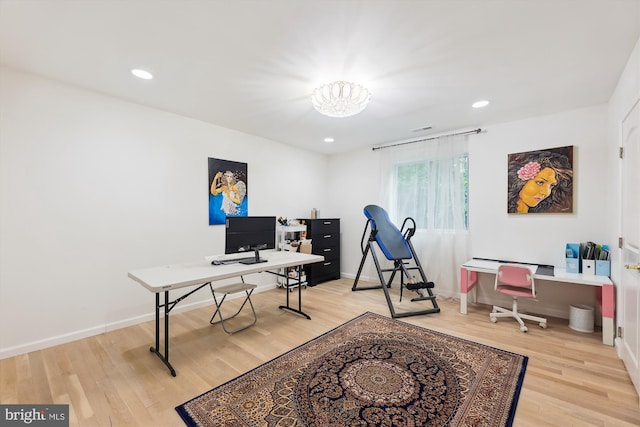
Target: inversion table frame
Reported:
[(397, 247)]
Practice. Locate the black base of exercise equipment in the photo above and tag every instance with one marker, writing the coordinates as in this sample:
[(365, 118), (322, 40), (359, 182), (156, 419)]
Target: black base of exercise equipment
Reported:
[(419, 285), (397, 247)]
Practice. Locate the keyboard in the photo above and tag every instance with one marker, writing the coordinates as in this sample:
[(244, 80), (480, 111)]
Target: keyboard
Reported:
[(545, 270), (237, 260)]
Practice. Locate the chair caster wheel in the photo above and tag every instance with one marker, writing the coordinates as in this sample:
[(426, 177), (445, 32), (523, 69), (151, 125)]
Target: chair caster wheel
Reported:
[(543, 325), (523, 328), (493, 319)]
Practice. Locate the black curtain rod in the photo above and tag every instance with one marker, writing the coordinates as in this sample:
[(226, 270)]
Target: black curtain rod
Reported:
[(427, 139)]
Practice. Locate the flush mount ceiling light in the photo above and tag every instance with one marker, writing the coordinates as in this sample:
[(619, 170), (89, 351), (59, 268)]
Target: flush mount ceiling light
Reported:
[(142, 74), (340, 99)]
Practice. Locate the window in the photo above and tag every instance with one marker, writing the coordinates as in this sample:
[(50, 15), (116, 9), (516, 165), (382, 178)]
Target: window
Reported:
[(435, 193)]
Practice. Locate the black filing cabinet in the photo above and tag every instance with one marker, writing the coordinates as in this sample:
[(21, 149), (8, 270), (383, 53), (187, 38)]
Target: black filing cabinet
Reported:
[(325, 241)]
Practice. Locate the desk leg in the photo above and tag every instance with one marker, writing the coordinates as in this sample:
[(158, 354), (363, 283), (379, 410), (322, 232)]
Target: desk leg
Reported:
[(606, 298), (468, 280), (288, 307), (156, 349)]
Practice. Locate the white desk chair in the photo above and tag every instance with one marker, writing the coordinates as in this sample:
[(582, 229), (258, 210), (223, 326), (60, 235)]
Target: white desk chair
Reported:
[(517, 281), (225, 290)]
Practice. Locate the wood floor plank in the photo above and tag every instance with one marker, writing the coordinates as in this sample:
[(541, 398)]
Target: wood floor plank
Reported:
[(113, 379)]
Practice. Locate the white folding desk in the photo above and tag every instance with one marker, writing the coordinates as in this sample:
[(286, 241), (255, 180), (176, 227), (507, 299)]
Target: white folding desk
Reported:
[(603, 285), (200, 274)]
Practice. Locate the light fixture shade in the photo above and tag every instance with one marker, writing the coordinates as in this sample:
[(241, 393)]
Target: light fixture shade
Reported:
[(340, 99)]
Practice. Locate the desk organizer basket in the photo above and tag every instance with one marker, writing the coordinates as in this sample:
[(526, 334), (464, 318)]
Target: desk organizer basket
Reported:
[(572, 260), (603, 268), (588, 266)]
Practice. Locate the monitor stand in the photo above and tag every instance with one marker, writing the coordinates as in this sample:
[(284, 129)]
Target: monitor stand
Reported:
[(254, 260)]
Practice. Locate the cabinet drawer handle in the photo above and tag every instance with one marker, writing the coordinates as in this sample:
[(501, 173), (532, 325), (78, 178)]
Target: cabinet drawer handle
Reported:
[(327, 263), (328, 222), (327, 236), (327, 250)]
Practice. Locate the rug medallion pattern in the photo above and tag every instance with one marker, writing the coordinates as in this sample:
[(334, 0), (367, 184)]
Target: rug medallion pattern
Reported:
[(371, 371)]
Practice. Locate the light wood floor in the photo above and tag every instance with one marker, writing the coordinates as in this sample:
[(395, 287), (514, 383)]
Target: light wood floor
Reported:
[(113, 380)]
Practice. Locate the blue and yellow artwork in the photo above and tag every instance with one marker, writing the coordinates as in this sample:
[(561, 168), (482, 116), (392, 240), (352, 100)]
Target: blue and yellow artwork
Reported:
[(228, 188)]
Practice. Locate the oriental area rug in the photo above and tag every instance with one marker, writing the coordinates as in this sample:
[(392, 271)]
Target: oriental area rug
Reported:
[(370, 371)]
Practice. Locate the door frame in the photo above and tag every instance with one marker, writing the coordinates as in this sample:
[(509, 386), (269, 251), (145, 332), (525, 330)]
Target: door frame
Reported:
[(620, 314)]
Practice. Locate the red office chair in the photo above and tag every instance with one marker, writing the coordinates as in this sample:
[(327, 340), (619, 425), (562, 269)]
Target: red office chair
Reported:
[(517, 281)]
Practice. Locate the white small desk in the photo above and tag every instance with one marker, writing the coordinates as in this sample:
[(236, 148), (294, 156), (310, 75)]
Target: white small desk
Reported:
[(200, 274), (603, 286)]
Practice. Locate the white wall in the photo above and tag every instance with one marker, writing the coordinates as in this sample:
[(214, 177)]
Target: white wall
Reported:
[(537, 238), (92, 187), (354, 182)]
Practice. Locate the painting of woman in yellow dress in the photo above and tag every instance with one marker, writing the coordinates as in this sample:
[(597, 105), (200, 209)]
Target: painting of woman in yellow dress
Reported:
[(227, 190), (541, 181)]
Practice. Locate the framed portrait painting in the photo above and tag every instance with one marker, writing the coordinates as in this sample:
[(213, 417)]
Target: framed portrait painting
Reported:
[(228, 185), (540, 181)]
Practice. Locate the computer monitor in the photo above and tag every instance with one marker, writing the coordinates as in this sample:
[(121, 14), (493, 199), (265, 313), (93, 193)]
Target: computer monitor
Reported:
[(250, 233)]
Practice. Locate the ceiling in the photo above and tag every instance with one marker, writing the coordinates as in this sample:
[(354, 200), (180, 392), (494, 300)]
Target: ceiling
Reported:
[(251, 65)]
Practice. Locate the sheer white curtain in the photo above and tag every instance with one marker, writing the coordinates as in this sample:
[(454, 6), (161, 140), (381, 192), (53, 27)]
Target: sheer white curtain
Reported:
[(427, 181)]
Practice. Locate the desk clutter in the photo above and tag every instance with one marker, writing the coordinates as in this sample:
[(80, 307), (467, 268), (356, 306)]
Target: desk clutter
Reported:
[(316, 236), (293, 236), (588, 258)]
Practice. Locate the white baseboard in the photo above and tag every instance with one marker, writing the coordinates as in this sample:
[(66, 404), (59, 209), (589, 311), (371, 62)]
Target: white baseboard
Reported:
[(7, 352)]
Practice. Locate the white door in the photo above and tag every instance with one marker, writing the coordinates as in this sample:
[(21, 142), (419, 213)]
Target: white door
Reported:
[(629, 286)]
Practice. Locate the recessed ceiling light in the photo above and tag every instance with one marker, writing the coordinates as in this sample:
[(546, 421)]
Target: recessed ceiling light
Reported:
[(142, 74), (480, 104), (329, 139)]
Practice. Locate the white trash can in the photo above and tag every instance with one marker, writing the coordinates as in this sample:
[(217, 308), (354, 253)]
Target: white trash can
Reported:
[(581, 318)]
